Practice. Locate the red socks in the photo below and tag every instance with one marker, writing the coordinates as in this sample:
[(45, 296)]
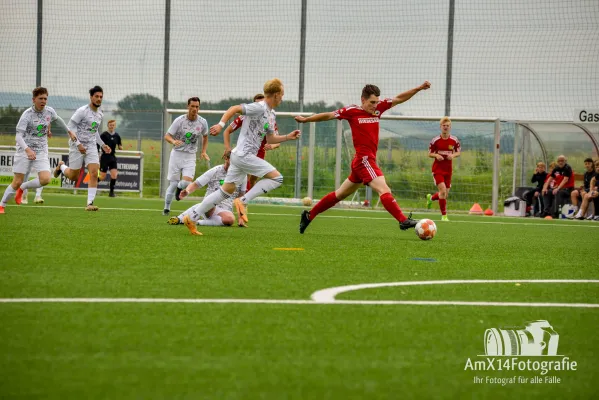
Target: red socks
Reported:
[(443, 206), (392, 207), (435, 197), (324, 204)]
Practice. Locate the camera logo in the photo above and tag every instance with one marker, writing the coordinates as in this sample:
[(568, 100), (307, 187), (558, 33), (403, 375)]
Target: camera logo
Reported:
[(536, 338)]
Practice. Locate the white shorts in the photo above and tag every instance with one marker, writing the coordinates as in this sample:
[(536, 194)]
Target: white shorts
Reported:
[(219, 209), (23, 165), (250, 164), (181, 163), (77, 160)]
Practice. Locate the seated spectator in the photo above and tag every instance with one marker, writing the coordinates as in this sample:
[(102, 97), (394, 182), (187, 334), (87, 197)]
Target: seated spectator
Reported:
[(578, 194), (563, 176), (534, 198), (551, 186), (591, 195)]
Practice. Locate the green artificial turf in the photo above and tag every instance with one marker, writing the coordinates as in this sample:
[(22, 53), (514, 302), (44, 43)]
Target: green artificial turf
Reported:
[(281, 351)]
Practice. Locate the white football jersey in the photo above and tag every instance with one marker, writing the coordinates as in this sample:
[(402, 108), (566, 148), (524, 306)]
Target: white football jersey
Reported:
[(214, 179), (188, 132), (259, 121), (33, 126), (85, 124)]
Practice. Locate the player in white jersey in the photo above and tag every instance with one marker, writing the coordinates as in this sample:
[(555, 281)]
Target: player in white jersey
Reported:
[(259, 122), (183, 134), (32, 147), (222, 214), (39, 190), (83, 150)]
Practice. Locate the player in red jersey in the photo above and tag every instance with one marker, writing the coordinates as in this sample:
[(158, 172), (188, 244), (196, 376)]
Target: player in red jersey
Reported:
[(235, 125), (443, 148), (364, 123)]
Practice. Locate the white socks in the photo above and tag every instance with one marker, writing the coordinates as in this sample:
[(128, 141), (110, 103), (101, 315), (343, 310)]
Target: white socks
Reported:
[(91, 195), (8, 194), (170, 194), (199, 210), (262, 187), (214, 220), (183, 184), (32, 184)]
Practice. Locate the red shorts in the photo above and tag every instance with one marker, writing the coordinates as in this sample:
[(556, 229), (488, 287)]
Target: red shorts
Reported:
[(442, 178), (261, 153), (364, 170)]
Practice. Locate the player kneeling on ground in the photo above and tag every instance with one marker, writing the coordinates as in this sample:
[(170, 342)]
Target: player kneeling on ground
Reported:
[(222, 214)]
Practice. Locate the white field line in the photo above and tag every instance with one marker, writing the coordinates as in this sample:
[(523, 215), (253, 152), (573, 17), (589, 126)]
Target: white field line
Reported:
[(301, 302), (581, 224), (328, 295)]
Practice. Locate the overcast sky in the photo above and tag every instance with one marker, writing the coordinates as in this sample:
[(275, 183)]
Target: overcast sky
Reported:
[(535, 59)]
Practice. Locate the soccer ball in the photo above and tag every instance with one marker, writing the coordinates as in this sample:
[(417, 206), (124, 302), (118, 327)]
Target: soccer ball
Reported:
[(426, 229), (307, 201), (567, 211)]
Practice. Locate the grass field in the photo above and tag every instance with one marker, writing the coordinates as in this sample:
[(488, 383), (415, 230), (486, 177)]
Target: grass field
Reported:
[(249, 329)]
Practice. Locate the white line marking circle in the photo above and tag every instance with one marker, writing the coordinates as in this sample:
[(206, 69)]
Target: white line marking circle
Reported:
[(328, 295)]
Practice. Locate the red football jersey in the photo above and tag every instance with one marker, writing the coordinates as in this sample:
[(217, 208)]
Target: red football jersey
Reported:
[(364, 126), (237, 124), (443, 147)]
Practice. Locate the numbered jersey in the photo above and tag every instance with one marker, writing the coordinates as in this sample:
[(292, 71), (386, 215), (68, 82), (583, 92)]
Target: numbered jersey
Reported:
[(33, 126), (259, 120), (214, 178), (188, 132), (85, 124)]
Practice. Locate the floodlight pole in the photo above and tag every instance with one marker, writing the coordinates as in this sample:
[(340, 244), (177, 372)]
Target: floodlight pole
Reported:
[(449, 57), (496, 176), (38, 63), (165, 156), (298, 145)]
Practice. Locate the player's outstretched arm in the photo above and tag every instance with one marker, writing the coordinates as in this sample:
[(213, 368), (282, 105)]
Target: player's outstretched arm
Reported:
[(325, 116), (215, 129), (274, 139), (192, 187), (405, 96)]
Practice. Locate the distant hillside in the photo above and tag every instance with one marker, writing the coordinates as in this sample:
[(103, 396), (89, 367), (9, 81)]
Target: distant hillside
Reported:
[(21, 100)]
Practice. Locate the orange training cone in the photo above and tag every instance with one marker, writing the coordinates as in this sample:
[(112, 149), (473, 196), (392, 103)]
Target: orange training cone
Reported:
[(476, 209), (489, 212)]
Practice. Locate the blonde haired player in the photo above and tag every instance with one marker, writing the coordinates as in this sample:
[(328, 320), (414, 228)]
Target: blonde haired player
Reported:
[(443, 148), (259, 122), (264, 147)]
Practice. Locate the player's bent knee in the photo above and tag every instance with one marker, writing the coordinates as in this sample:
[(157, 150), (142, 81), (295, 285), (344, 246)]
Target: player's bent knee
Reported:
[(273, 174), (44, 180), (227, 219)]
